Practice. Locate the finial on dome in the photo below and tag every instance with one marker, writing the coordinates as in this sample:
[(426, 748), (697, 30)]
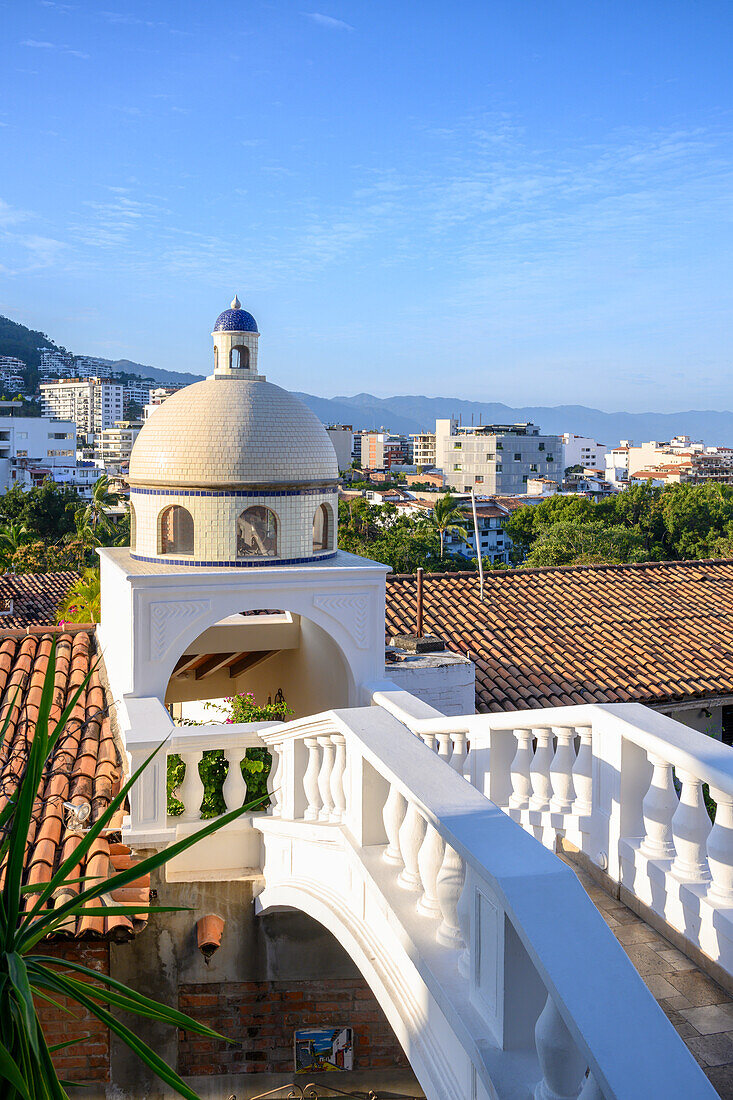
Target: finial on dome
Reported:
[(236, 304)]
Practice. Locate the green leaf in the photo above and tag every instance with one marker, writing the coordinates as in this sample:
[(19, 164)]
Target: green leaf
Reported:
[(9, 1072), (18, 974)]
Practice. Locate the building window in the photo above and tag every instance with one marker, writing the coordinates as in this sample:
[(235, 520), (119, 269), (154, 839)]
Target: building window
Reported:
[(517, 458), (133, 527), (479, 479), (240, 357), (533, 467), (457, 466), (322, 529), (458, 446), (257, 533), (550, 458), (542, 446), (176, 530)]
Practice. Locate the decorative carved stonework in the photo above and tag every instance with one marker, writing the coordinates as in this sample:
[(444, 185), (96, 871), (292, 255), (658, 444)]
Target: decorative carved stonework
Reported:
[(352, 611), (167, 620)]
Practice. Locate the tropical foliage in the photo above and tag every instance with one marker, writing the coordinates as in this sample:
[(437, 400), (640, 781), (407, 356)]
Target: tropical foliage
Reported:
[(403, 542), (678, 522), (28, 916), (83, 603)]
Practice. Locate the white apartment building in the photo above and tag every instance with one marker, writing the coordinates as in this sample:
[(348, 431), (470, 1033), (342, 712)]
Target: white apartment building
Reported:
[(580, 450), (93, 404), (342, 437), (55, 364), (137, 392), (423, 449), (12, 375), (156, 396), (87, 366), (495, 458), (33, 441), (114, 445)]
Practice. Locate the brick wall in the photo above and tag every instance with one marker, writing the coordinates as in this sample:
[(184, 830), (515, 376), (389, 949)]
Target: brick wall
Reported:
[(88, 1060), (262, 1016)]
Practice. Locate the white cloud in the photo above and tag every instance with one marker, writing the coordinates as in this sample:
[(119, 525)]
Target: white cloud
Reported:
[(34, 44), (328, 21)]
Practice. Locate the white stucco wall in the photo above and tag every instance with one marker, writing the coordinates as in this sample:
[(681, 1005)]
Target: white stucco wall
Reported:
[(444, 680)]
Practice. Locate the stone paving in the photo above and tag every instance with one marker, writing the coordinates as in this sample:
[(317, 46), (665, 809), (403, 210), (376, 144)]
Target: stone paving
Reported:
[(700, 1009)]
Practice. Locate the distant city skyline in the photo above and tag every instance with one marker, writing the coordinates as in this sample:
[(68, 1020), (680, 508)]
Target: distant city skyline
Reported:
[(522, 204)]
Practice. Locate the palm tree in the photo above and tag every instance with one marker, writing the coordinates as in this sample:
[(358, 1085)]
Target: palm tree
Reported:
[(101, 499), (447, 519), (12, 537), (83, 603)]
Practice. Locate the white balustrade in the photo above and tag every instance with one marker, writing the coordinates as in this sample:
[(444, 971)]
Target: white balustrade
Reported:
[(429, 739), (561, 1062), (275, 779), (191, 790), (690, 828), (460, 752), (583, 772), (328, 754), (393, 815), (338, 795), (590, 1090), (429, 862), (234, 788), (310, 780), (658, 809), (561, 770), (540, 770), (412, 834), (449, 887), (445, 746), (720, 848), (521, 779)]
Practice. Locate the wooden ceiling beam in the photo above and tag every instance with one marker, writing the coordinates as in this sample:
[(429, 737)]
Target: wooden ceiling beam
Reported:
[(250, 660), (212, 664)]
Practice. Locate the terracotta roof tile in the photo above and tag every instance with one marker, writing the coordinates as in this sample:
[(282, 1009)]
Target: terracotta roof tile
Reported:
[(31, 599), (85, 767), (651, 632)]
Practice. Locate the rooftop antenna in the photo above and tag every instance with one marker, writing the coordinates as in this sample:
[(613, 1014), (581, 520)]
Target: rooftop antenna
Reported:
[(419, 630)]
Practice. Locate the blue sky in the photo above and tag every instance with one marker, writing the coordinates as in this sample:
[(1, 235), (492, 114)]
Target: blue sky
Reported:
[(527, 201)]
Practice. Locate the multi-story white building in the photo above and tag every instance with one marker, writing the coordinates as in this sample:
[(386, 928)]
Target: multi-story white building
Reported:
[(156, 396), (114, 445), (33, 441), (495, 458), (55, 363), (342, 437), (93, 404), (423, 450), (12, 375), (87, 366), (580, 450), (382, 450), (136, 392)]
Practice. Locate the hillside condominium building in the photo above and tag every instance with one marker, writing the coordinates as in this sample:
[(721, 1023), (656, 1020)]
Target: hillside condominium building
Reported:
[(92, 403)]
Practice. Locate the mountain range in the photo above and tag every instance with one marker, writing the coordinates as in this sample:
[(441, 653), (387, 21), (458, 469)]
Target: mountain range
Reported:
[(413, 413), (409, 413)]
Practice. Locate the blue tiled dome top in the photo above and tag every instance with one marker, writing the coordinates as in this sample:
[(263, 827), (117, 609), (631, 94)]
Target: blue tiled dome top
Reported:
[(235, 319)]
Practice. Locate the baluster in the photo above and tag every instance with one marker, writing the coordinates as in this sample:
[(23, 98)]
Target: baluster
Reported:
[(583, 773), (429, 740), (720, 848), (520, 774), (658, 809), (560, 1060), (445, 747), (275, 779), (338, 795), (463, 913), (191, 790), (591, 1089), (234, 788), (690, 829), (393, 815), (310, 780), (324, 777), (460, 752), (450, 885), (539, 770), (429, 862), (561, 770), (412, 834)]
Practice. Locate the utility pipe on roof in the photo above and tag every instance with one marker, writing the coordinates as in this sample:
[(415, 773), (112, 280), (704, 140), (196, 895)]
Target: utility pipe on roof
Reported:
[(478, 545)]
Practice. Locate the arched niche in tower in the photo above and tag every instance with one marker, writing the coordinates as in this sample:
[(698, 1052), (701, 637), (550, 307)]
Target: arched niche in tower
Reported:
[(257, 533), (175, 530), (240, 357)]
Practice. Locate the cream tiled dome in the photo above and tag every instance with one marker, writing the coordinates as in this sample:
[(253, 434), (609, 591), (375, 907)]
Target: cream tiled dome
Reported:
[(232, 433)]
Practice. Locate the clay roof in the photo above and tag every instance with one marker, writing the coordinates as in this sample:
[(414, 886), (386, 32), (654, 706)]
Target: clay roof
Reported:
[(654, 632), (34, 596), (85, 767)]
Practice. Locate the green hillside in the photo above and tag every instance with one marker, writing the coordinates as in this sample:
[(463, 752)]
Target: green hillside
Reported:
[(23, 342)]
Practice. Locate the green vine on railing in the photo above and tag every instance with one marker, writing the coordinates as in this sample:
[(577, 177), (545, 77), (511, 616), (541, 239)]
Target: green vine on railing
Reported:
[(213, 767)]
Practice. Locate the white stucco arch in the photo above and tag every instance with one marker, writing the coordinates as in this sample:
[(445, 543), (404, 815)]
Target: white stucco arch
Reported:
[(151, 612)]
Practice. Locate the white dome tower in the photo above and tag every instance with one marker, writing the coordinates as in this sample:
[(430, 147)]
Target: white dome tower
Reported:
[(233, 471)]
